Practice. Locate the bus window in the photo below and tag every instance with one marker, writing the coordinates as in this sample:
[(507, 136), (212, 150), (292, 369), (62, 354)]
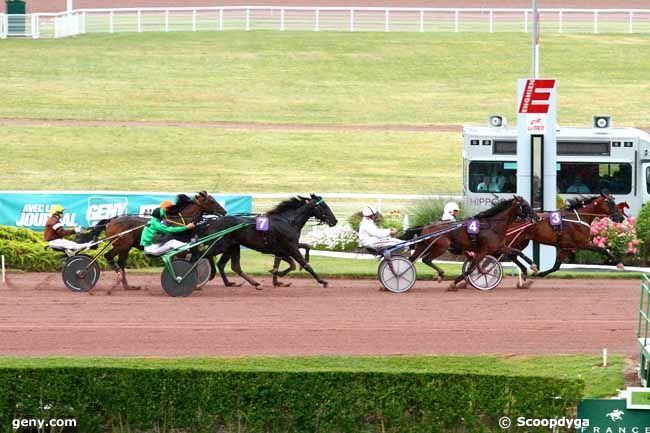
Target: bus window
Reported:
[(493, 176), (594, 177)]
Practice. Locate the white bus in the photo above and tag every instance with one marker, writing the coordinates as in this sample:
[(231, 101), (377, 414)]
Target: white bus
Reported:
[(589, 160)]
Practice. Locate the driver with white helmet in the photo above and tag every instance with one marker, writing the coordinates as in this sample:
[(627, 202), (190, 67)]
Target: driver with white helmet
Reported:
[(371, 236), (451, 212)]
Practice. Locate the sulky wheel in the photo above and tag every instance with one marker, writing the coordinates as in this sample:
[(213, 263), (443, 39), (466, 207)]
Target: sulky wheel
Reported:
[(487, 275), (80, 273), (185, 281), (203, 270), (402, 279)]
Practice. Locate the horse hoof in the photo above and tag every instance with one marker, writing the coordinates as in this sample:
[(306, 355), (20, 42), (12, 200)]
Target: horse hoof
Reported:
[(325, 284), (280, 284), (452, 288), (525, 285), (440, 278), (621, 266), (132, 288), (259, 287), (534, 268), (461, 284)]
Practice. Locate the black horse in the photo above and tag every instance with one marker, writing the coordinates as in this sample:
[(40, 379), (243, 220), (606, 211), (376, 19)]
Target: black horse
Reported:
[(285, 223)]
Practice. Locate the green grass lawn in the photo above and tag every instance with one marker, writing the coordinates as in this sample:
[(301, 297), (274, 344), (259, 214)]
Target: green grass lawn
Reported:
[(258, 264), (178, 159), (325, 77), (600, 382)]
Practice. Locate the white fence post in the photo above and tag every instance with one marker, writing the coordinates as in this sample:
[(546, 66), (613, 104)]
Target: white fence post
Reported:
[(629, 21), (595, 21), (193, 20), (83, 22), (111, 22), (491, 21), (351, 19), (33, 24), (282, 19), (221, 19), (386, 19), (561, 21), (525, 21), (248, 19), (166, 20), (456, 20), (317, 24), (139, 21), (421, 21)]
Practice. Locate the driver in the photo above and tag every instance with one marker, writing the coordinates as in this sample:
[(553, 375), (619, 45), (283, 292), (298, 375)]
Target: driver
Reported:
[(450, 213), (55, 232), (371, 236), (157, 235)]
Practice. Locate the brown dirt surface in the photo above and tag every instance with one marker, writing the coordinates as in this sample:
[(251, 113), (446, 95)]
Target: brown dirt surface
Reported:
[(39, 317)]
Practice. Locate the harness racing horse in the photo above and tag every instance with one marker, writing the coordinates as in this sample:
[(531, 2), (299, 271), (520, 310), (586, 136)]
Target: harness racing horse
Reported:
[(184, 211), (489, 240), (573, 234), (285, 222)]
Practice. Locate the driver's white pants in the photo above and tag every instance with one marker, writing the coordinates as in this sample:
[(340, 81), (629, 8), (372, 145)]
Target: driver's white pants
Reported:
[(382, 244), (64, 244), (158, 249)]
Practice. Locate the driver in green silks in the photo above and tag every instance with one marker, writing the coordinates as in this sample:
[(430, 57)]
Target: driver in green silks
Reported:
[(157, 235)]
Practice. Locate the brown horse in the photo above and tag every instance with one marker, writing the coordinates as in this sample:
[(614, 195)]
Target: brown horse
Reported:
[(573, 234), (490, 239), (185, 211)]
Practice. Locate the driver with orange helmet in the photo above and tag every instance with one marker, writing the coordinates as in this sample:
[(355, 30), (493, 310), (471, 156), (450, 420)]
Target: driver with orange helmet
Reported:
[(157, 236)]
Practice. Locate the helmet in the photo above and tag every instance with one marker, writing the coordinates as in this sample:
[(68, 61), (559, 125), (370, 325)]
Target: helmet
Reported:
[(55, 209), (450, 207), (166, 204), (369, 211)]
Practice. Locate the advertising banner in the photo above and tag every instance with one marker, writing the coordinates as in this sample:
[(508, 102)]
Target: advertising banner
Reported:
[(30, 209)]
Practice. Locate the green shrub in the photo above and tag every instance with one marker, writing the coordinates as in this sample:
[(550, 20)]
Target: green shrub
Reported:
[(424, 212), (643, 231), (25, 250), (198, 400)]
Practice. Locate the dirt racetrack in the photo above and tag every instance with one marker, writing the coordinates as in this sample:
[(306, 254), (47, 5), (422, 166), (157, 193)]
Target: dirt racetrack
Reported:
[(39, 316)]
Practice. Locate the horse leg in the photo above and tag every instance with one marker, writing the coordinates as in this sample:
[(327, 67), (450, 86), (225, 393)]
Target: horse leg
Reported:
[(460, 281), (122, 262), (221, 265), (295, 254), (276, 274), (427, 260), (609, 256), (213, 268), (558, 262), (236, 267), (306, 247)]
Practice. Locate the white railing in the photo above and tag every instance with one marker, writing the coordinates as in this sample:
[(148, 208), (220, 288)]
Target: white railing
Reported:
[(348, 19)]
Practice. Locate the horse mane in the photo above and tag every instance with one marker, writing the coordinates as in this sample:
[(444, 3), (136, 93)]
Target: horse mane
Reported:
[(182, 201), (494, 210), (577, 203), (292, 203)]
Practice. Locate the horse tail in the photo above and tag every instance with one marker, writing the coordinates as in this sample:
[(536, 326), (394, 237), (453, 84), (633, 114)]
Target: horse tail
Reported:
[(411, 233), (94, 232)]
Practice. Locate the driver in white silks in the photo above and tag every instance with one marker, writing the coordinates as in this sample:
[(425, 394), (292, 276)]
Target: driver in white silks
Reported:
[(371, 236), (450, 213)]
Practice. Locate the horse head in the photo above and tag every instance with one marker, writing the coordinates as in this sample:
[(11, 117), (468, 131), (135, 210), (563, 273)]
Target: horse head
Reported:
[(607, 205), (320, 210), (208, 204), (524, 209)]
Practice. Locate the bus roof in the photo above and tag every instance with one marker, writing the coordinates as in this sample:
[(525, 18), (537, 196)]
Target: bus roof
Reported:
[(570, 132)]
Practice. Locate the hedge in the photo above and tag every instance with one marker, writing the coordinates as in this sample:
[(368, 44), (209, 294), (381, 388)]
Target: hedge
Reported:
[(193, 400), (25, 250)]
